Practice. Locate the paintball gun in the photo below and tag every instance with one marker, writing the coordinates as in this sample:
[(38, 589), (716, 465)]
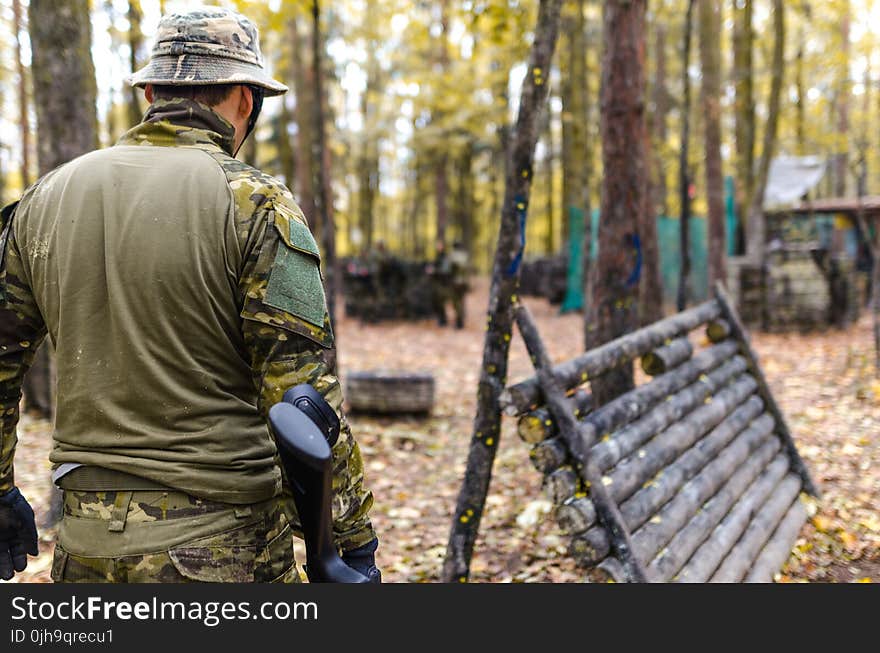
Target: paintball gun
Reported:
[(305, 428)]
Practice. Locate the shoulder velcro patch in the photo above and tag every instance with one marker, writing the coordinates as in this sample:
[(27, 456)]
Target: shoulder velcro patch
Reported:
[(295, 283)]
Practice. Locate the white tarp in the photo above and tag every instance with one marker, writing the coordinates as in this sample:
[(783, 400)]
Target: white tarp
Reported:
[(791, 177)]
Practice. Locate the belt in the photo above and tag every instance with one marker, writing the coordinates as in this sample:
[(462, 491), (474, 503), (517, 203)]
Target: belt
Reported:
[(90, 478)]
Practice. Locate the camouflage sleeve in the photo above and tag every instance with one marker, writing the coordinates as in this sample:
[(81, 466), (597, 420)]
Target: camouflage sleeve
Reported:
[(287, 331), (21, 331)]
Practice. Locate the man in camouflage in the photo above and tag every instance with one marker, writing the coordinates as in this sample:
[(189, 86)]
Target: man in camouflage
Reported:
[(450, 282), (182, 291)]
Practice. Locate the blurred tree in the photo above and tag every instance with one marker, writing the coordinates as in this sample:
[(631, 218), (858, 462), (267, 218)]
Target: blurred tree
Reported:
[(614, 306), (842, 94), (23, 121), (710, 95), (744, 107), (684, 174), (505, 279), (135, 48), (755, 227)]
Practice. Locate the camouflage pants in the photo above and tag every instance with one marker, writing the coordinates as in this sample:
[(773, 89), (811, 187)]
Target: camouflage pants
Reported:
[(171, 537)]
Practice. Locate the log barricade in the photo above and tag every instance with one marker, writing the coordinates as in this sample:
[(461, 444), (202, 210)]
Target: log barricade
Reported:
[(692, 476)]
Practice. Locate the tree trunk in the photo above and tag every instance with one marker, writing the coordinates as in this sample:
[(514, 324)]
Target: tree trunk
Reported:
[(801, 89), (841, 159), (505, 279), (684, 175), (755, 225), (576, 160), (651, 284), (23, 121), (368, 168), (659, 123), (710, 93), (303, 83), (65, 92), (744, 107), (441, 180), (550, 243), (624, 184), (464, 197), (321, 157), (136, 44), (286, 157)]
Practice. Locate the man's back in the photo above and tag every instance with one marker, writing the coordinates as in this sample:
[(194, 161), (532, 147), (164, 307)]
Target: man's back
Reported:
[(133, 258)]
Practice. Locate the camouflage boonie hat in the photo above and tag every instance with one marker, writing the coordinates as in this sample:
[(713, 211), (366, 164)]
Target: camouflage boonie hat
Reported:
[(211, 45)]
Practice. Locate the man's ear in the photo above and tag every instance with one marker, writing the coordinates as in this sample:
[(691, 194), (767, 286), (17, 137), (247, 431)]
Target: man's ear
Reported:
[(245, 103), (148, 93)]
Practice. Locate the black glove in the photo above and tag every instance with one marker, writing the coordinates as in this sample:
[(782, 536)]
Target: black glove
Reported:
[(18, 533), (363, 559)]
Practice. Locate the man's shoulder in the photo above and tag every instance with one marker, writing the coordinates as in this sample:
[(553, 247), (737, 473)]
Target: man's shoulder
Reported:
[(254, 189)]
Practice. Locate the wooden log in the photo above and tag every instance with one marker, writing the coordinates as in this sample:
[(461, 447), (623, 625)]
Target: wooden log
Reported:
[(537, 425), (681, 547), (739, 332), (665, 358), (630, 406), (519, 398), (778, 549), (576, 515), (562, 410), (611, 571), (607, 453), (709, 555), (549, 455), (658, 531), (738, 562), (646, 502), (630, 474), (560, 485), (718, 330), (624, 442), (390, 391)]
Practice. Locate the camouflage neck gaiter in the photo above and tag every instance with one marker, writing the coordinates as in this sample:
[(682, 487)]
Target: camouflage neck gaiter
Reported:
[(199, 123)]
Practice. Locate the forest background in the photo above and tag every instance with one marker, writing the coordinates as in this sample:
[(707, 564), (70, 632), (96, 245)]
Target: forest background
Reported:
[(418, 101)]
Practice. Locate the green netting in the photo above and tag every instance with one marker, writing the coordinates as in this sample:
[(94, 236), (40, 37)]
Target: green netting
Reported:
[(668, 235)]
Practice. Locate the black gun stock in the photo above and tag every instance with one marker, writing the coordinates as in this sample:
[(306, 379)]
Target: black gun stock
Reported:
[(306, 457)]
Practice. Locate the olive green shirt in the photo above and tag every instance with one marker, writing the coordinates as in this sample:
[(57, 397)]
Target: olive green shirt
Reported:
[(181, 289)]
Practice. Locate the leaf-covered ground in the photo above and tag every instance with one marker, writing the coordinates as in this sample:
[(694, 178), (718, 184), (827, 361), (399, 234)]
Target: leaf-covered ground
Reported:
[(824, 383)]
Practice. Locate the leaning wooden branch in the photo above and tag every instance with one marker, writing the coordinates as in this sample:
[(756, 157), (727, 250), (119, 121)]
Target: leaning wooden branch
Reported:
[(505, 279)]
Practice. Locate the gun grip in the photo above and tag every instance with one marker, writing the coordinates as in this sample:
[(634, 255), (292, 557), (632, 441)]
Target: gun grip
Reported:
[(306, 457)]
